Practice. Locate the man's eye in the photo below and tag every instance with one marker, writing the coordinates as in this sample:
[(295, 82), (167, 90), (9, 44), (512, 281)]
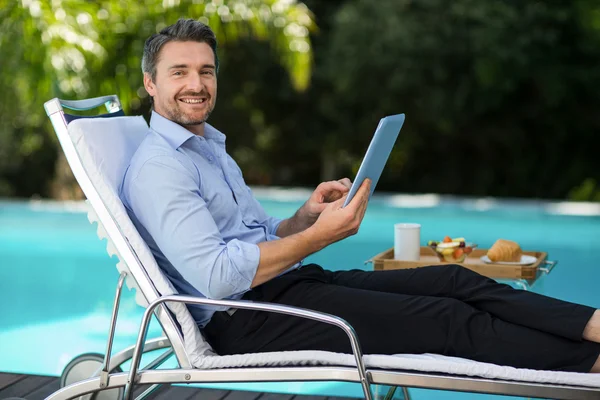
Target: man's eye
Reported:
[(209, 72), (178, 73)]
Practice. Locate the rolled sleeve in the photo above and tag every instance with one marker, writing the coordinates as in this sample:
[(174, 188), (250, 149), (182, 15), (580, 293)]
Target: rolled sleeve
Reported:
[(273, 224), (166, 199)]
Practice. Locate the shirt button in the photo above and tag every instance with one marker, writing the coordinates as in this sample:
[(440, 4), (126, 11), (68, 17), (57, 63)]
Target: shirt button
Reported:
[(210, 159)]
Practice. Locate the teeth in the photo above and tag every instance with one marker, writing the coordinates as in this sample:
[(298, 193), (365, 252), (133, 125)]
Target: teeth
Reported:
[(193, 101)]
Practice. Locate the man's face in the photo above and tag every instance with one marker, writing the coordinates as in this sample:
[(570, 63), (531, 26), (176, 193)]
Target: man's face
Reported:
[(185, 88)]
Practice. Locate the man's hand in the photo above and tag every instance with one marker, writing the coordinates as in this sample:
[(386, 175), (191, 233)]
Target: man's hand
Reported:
[(336, 223), (324, 194)]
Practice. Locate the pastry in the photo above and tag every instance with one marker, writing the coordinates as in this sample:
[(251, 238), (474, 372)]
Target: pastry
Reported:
[(505, 250)]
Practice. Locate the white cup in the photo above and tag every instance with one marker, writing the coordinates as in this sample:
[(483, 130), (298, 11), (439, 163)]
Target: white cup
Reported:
[(407, 242)]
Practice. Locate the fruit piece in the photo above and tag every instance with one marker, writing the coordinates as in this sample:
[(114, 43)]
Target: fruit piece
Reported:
[(458, 253), (432, 243), (468, 250), (448, 259), (448, 251), (448, 245), (460, 239), (447, 239), (462, 244)]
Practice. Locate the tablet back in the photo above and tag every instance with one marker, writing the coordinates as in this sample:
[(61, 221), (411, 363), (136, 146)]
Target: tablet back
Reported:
[(377, 154)]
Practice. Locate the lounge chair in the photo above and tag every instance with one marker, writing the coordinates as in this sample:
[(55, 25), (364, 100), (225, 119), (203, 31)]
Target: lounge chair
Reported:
[(98, 151)]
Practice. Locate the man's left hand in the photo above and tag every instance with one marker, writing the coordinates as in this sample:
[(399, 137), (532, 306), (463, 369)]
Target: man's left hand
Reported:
[(325, 193)]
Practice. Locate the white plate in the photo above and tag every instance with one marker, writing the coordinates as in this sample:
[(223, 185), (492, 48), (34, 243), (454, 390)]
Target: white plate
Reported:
[(525, 260)]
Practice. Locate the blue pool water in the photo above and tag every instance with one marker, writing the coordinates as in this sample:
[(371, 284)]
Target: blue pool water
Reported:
[(57, 283)]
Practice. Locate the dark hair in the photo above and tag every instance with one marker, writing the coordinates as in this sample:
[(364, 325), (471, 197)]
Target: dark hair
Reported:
[(182, 31)]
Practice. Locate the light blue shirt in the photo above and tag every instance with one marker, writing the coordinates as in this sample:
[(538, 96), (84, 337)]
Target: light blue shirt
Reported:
[(189, 201)]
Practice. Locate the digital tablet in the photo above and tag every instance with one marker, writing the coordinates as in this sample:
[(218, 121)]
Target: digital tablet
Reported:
[(377, 153)]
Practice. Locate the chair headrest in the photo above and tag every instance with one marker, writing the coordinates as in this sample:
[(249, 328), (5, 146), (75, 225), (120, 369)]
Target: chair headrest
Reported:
[(111, 142)]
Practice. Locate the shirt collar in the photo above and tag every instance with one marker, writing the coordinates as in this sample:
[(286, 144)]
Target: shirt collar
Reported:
[(176, 135)]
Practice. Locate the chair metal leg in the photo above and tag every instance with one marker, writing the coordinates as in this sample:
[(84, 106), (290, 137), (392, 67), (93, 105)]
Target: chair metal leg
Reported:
[(405, 393), (390, 394), (149, 391), (111, 331), (154, 364)]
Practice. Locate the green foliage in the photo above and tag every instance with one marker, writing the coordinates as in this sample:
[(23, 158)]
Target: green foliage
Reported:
[(501, 97), (589, 190), (74, 49)]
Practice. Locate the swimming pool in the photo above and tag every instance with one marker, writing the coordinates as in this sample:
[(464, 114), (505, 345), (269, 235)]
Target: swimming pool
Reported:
[(57, 283)]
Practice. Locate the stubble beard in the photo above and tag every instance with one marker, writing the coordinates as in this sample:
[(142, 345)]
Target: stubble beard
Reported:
[(180, 117)]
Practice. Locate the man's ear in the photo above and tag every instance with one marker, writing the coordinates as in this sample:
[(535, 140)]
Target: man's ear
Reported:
[(149, 85)]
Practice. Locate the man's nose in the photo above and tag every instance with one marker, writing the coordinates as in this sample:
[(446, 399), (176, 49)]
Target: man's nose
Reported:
[(194, 82)]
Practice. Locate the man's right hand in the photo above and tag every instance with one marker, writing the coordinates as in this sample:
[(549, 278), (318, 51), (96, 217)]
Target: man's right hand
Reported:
[(336, 223)]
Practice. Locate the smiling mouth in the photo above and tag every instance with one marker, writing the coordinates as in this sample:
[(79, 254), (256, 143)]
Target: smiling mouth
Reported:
[(193, 101)]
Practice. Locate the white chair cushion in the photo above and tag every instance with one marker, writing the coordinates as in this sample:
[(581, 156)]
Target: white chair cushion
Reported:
[(111, 143)]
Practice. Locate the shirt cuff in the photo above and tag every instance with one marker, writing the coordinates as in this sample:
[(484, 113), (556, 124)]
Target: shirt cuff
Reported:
[(274, 225), (245, 258)]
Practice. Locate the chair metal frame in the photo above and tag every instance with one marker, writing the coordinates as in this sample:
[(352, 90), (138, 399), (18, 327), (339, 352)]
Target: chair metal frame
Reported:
[(173, 341)]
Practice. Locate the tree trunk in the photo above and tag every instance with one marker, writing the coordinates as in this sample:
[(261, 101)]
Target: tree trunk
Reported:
[(64, 186)]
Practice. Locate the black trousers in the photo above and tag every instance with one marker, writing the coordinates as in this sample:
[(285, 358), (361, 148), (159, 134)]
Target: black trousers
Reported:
[(447, 310)]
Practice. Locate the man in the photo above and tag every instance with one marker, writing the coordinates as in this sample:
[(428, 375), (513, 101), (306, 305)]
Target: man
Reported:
[(188, 199)]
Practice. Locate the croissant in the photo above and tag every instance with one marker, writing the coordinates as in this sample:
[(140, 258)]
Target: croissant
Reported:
[(505, 250)]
